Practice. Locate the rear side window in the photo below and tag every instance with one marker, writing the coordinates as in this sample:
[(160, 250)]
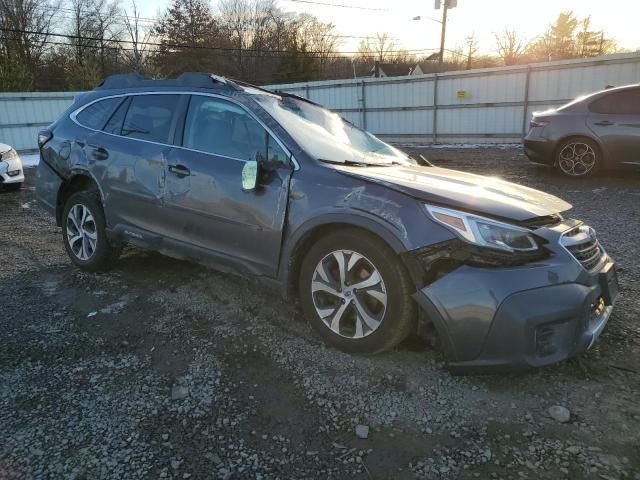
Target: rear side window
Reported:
[(621, 103), (97, 114), (150, 117), (114, 125)]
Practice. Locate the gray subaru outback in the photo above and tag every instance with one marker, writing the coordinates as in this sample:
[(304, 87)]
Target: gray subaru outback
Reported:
[(372, 242)]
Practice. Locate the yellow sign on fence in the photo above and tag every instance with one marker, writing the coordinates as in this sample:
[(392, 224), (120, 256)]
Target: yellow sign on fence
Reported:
[(461, 94)]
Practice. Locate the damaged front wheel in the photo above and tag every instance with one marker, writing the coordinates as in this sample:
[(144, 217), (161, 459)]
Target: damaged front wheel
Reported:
[(356, 292)]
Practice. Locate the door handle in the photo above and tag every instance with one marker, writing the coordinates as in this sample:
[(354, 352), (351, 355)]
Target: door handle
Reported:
[(179, 170), (604, 123), (99, 153)]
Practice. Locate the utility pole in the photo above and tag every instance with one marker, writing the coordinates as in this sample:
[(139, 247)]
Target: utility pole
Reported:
[(446, 5), (443, 31)]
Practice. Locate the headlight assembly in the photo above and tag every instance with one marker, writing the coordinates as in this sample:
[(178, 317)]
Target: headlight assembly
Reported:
[(9, 155), (485, 232)]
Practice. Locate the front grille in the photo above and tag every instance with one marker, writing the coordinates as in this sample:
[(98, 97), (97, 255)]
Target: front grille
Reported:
[(583, 244)]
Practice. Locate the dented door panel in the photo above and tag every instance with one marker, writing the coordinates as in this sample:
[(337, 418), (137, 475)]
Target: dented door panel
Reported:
[(208, 208), (133, 183)]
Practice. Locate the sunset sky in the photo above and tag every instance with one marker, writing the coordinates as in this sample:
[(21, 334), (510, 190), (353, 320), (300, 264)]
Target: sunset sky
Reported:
[(619, 19)]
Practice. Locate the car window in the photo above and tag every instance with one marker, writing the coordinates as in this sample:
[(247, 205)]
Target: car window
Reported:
[(114, 125), (149, 117), (97, 114), (626, 102), (275, 153), (223, 128)]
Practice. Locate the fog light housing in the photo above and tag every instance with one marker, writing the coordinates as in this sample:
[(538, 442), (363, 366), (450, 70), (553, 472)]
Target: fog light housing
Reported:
[(13, 173), (552, 338)]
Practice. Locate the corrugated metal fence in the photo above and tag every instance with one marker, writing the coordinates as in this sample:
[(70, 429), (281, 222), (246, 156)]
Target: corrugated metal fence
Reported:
[(474, 106), (22, 115)]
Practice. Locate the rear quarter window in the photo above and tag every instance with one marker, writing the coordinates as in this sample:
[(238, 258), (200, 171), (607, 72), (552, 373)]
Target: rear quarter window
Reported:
[(96, 115)]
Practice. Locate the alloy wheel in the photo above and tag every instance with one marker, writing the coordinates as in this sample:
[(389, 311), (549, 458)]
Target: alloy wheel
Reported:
[(349, 294), (577, 159), (82, 234)]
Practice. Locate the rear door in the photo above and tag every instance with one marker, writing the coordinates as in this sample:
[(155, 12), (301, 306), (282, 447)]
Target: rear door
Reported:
[(138, 140), (615, 119), (206, 205)]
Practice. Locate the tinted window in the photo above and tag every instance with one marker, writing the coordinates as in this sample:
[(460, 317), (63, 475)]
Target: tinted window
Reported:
[(622, 103), (275, 153), (96, 114), (114, 125), (223, 128), (150, 117)]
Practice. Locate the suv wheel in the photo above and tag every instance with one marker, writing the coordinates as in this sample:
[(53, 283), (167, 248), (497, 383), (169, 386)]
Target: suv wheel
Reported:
[(578, 157), (356, 293), (84, 233)]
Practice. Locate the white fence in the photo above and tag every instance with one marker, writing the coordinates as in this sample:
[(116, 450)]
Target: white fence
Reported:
[(475, 106)]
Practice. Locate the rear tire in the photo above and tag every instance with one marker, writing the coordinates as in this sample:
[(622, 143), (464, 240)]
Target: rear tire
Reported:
[(578, 157), (84, 233), (371, 310)]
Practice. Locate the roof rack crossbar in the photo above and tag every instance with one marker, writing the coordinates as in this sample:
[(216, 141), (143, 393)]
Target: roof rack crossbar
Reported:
[(187, 79)]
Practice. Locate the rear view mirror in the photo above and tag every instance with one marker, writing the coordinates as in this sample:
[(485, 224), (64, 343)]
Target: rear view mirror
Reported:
[(250, 175)]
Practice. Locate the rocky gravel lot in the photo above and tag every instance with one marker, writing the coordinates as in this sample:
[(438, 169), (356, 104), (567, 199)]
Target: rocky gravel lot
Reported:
[(165, 369)]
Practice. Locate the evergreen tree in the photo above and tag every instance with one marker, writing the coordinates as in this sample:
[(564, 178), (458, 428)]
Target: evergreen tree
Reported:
[(187, 34)]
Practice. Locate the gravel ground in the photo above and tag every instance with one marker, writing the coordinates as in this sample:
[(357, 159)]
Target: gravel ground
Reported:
[(164, 369)]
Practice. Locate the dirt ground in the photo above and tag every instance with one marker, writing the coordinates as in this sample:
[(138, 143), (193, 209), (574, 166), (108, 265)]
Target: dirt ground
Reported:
[(165, 369)]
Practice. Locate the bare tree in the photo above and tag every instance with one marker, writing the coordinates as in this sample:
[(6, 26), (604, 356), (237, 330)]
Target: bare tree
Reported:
[(26, 28), (510, 46), (139, 39), (472, 48), (381, 47), (95, 31)]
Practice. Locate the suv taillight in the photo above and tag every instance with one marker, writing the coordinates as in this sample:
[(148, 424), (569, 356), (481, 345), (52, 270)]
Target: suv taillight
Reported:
[(44, 136), (538, 123)]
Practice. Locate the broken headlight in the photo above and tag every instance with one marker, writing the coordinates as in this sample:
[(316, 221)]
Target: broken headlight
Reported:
[(485, 232)]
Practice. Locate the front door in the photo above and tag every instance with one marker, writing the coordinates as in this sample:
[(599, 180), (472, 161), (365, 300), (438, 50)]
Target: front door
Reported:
[(204, 199)]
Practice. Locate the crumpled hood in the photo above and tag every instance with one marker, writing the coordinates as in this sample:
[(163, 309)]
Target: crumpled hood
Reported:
[(464, 191)]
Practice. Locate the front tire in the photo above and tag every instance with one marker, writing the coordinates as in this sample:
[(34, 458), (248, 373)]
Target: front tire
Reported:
[(578, 157), (356, 293), (84, 233)]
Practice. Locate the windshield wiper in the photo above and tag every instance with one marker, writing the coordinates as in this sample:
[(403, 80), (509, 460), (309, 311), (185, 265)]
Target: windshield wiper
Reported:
[(356, 163), (421, 160)]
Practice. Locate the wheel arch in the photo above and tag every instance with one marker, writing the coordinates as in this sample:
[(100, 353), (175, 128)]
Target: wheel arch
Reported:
[(311, 231), (78, 181)]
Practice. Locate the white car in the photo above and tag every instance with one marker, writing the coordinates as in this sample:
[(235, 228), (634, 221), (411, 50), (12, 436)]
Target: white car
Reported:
[(11, 173)]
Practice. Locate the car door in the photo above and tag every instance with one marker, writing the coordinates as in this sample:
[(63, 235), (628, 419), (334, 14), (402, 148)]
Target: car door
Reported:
[(137, 139), (206, 205), (615, 119)]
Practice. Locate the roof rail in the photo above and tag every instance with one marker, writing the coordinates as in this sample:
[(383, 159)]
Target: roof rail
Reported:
[(187, 79)]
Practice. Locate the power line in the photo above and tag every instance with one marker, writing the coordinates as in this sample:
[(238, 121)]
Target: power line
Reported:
[(338, 5), (317, 53)]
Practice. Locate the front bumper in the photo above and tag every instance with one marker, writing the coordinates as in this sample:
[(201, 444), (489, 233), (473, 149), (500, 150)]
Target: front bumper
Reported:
[(516, 317)]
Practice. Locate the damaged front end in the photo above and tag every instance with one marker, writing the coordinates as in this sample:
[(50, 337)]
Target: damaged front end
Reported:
[(438, 260), (494, 308)]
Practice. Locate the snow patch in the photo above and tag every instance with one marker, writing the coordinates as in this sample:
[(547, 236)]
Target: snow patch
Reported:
[(457, 146), (30, 160)]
